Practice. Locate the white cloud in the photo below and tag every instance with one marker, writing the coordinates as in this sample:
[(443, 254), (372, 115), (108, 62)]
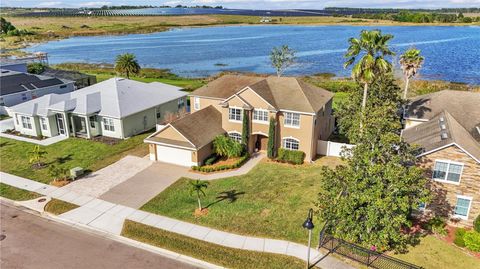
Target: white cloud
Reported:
[(94, 4), (50, 4)]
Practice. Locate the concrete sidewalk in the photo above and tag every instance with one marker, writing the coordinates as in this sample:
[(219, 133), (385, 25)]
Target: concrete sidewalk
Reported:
[(109, 217)]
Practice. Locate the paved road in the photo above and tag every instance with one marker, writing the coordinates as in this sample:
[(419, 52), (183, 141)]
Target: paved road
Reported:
[(35, 242)]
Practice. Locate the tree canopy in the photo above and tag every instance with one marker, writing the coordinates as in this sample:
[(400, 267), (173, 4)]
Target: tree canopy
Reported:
[(127, 64), (282, 58)]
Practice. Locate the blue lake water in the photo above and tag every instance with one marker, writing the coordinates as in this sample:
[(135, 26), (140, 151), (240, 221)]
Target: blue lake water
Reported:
[(451, 53)]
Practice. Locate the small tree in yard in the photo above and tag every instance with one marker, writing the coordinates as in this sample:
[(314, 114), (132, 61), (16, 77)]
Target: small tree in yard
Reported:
[(197, 187), (245, 130), (226, 147), (127, 64), (36, 156), (282, 58), (271, 139)]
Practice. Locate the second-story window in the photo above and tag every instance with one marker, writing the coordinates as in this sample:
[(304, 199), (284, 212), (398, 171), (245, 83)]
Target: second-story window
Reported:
[(196, 103), (235, 114), (292, 119), (447, 171), (260, 115)]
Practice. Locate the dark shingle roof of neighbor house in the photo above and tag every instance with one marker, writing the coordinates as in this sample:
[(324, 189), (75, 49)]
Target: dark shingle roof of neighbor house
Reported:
[(64, 74), (450, 117), (15, 82), (115, 97), (200, 127), (287, 93)]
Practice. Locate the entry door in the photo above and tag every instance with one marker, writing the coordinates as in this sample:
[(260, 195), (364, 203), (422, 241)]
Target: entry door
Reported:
[(61, 124)]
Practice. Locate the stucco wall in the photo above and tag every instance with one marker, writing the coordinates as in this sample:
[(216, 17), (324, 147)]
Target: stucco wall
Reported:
[(139, 122), (35, 131), (304, 134), (446, 193), (200, 155), (204, 102)]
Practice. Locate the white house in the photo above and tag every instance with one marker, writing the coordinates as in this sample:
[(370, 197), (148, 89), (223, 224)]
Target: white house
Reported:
[(117, 108)]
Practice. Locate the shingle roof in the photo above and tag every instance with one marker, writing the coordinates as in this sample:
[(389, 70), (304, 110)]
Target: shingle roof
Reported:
[(200, 127), (287, 93), (439, 131), (116, 97), (64, 74), (15, 82)]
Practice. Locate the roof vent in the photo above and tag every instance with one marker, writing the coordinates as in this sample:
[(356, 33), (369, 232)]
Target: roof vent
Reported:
[(478, 129), (442, 119), (444, 136), (443, 127)]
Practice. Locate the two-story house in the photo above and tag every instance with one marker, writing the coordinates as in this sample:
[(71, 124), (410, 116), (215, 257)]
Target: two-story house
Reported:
[(446, 126), (302, 113)]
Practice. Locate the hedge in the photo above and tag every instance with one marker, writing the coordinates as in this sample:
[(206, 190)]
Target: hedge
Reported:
[(459, 240), (211, 159), (472, 241), (210, 169), (476, 224), (290, 156)]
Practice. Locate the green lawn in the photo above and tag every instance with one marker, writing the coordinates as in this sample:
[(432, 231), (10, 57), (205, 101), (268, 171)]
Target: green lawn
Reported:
[(16, 194), (433, 253), (58, 207), (228, 257), (69, 153), (270, 201)]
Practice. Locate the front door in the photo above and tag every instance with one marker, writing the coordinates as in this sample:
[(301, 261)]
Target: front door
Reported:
[(61, 124), (261, 143)]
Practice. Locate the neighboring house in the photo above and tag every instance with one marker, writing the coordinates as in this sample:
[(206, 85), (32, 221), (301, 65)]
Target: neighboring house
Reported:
[(14, 65), (446, 127), (81, 80), (117, 108), (302, 113), (17, 87)]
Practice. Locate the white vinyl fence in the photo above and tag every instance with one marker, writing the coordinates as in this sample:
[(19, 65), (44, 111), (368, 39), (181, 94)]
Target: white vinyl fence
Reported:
[(329, 148)]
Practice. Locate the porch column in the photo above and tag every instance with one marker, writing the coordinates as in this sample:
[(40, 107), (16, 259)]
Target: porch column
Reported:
[(87, 123), (73, 125), (67, 126)]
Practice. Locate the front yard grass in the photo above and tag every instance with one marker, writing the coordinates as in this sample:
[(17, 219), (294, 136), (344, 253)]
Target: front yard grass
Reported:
[(433, 253), (16, 194), (224, 256), (69, 153), (58, 207), (271, 201)]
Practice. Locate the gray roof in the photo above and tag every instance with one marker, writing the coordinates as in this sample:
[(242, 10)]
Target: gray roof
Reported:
[(64, 74), (116, 98), (15, 82)]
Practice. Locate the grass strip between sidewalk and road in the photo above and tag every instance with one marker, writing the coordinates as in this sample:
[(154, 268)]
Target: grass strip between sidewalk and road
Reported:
[(209, 252), (58, 207), (17, 194)]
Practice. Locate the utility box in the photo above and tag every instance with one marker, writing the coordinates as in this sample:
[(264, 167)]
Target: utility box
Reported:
[(76, 172)]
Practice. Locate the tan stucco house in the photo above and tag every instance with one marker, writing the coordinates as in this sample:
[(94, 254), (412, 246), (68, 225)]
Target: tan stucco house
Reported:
[(117, 108), (446, 127), (302, 112)]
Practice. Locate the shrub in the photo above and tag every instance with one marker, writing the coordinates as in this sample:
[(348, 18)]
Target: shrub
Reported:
[(437, 225), (211, 159), (476, 224), (291, 156), (227, 147), (472, 241), (459, 240), (209, 169)]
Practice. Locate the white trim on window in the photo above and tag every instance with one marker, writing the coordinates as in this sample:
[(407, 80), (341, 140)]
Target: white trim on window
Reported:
[(470, 200), (290, 143), (235, 114), (237, 136), (43, 123), (26, 122), (260, 116), (291, 120), (196, 103), (108, 124), (447, 172)]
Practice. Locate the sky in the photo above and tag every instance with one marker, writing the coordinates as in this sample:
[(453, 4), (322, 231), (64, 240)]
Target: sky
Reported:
[(252, 4)]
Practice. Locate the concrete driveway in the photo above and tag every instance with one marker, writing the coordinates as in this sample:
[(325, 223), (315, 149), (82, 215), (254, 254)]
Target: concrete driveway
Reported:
[(143, 186), (6, 125)]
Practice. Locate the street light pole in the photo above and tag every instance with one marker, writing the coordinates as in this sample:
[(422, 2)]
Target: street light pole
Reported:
[(308, 224)]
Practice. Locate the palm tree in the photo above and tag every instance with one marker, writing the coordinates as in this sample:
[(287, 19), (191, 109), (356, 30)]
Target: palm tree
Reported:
[(281, 58), (197, 187), (127, 64), (410, 61), (374, 45)]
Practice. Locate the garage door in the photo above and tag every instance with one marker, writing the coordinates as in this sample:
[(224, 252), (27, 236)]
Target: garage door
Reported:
[(173, 155)]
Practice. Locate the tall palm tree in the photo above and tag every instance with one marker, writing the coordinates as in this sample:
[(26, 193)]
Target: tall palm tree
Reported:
[(197, 186), (374, 45), (410, 61), (127, 64)]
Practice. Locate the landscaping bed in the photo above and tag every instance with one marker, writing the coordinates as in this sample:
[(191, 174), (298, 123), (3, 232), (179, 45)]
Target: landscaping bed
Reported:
[(17, 194), (222, 164), (209, 252), (70, 153), (58, 207), (14, 132)]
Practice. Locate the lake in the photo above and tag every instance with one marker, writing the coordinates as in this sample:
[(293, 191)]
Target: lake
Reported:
[(451, 53)]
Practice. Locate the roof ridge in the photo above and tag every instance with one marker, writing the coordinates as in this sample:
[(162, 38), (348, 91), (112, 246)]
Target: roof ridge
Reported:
[(306, 97)]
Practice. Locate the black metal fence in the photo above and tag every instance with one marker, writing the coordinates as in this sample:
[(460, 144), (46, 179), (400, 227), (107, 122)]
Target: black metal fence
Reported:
[(362, 255)]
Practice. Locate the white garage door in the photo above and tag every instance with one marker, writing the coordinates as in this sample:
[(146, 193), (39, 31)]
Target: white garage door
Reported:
[(173, 155)]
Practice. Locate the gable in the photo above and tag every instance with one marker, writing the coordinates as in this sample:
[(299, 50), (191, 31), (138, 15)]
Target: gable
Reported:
[(254, 99), (170, 133), (237, 101)]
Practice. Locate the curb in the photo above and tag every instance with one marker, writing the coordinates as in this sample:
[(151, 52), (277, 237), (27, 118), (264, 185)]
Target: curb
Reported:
[(127, 241)]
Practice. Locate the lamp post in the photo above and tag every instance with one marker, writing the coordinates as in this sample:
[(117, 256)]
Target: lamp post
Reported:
[(308, 224)]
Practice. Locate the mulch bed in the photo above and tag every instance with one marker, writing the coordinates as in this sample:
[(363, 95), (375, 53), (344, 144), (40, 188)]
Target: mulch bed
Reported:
[(107, 140), (13, 132)]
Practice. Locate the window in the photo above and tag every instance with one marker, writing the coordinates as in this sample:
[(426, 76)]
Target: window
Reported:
[(292, 119), (93, 120), (63, 86), (235, 114), (447, 171), (26, 122), (196, 103), (159, 114), (108, 125), (24, 96), (236, 136), (260, 115), (422, 206), (291, 143), (2, 103), (181, 103), (43, 123), (462, 207)]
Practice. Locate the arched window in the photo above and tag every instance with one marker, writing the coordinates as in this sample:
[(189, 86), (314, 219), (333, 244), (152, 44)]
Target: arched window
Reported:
[(235, 136), (291, 143)]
